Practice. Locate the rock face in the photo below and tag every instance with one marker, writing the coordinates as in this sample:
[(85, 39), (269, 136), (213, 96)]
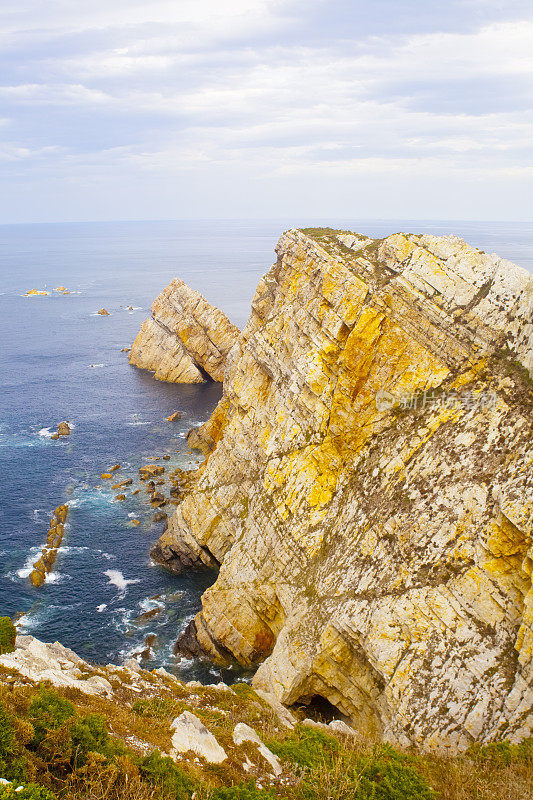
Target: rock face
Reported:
[(52, 662), (186, 340), (368, 489)]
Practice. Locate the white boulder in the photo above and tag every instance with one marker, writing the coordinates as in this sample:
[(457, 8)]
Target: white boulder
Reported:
[(189, 733)]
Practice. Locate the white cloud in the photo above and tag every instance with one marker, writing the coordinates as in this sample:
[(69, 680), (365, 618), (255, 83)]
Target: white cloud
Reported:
[(176, 85)]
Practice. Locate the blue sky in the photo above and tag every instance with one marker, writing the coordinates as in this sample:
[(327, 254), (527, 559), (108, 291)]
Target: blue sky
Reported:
[(127, 109)]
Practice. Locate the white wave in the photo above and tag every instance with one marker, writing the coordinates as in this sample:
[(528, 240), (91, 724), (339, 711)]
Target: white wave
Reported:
[(148, 604), (101, 607), (116, 578), (97, 365), (138, 422), (52, 577), (34, 554), (46, 433)]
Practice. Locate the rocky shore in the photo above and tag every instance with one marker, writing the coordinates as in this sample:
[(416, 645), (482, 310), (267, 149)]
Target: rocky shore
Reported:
[(368, 489)]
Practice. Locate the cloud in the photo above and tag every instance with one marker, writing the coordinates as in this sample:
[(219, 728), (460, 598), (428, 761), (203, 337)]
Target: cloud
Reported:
[(170, 87)]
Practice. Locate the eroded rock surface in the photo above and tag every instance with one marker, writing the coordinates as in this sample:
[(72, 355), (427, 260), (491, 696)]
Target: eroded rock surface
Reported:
[(39, 661), (186, 339), (368, 489)]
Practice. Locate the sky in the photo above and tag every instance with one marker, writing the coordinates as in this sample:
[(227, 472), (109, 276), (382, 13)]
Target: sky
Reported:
[(168, 109)]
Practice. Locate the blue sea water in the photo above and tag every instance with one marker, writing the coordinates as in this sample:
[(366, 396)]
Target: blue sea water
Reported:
[(60, 360)]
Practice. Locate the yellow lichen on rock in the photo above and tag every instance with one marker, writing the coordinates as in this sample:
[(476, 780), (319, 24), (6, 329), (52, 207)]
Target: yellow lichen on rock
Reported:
[(186, 339), (368, 489)]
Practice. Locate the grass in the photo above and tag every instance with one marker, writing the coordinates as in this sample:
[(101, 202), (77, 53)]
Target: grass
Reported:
[(80, 747)]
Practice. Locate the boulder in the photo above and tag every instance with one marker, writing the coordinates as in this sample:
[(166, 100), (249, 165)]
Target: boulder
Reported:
[(150, 471), (103, 312), (37, 578), (243, 733), (173, 417), (190, 734), (63, 429), (61, 513), (120, 485)]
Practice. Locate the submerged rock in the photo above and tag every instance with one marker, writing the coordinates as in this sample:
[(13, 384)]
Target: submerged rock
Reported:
[(368, 490), (150, 471), (186, 340)]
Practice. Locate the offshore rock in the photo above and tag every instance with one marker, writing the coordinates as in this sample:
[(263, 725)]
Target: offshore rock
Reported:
[(186, 340), (44, 564), (368, 490)]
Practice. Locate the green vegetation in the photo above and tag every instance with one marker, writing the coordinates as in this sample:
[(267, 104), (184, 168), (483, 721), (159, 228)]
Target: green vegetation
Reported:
[(8, 634), (243, 791), (29, 792), (329, 769), (48, 712), (64, 745), (165, 775)]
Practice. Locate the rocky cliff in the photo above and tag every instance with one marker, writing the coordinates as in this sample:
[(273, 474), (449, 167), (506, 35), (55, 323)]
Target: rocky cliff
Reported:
[(186, 340), (368, 489)]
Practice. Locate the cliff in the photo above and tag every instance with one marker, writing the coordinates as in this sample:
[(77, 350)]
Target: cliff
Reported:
[(186, 340), (368, 490)]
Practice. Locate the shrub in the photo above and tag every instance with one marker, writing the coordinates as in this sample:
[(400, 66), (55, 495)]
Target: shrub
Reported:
[(307, 747), (503, 753), (164, 773), (12, 766), (386, 774), (7, 734), (242, 791), (8, 634), (89, 734), (48, 712), (329, 770), (29, 792)]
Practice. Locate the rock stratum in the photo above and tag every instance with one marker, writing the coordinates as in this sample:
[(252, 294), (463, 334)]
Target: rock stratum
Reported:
[(186, 340), (368, 490)]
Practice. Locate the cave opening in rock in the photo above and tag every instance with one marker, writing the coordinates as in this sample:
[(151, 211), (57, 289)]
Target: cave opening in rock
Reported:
[(318, 708)]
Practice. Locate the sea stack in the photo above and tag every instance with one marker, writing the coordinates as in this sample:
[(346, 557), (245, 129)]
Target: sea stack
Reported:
[(186, 340), (368, 489)]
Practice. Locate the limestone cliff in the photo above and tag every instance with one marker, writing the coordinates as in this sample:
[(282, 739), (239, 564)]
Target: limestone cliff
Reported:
[(186, 339), (368, 489)]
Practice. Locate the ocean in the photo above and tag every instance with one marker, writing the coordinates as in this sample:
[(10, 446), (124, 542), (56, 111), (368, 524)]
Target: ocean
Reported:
[(60, 360)]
